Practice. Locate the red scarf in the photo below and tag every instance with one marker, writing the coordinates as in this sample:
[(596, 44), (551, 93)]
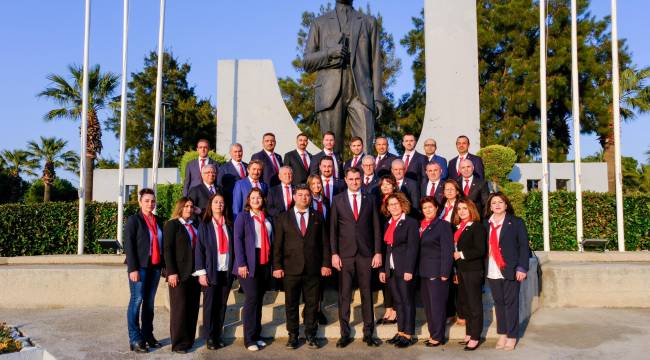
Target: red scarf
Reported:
[(221, 236), (193, 237), (265, 248), (448, 209), (461, 227), (390, 231), (423, 225), (153, 229), (319, 206), (495, 251)]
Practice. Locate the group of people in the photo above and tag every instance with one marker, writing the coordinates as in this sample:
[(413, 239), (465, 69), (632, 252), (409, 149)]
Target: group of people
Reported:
[(296, 221)]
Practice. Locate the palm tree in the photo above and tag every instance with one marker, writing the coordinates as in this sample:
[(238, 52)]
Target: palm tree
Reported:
[(68, 95), (17, 162), (51, 153)]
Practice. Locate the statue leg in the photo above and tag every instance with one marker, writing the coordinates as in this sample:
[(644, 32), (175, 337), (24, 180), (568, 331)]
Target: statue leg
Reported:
[(333, 119), (362, 122)]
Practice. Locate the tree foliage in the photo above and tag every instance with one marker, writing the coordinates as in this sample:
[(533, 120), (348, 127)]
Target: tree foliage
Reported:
[(60, 190), (50, 153)]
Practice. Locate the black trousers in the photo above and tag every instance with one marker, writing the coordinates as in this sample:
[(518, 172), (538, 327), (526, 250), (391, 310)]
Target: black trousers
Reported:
[(505, 294), (309, 287), (434, 296), (254, 289), (470, 284), (215, 300), (404, 299), (358, 267), (184, 302)]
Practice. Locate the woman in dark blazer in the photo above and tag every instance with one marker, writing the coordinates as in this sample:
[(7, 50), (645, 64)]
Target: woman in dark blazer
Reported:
[(143, 245), (452, 193), (181, 237), (402, 246), (470, 250), (435, 264), (507, 265), (386, 186), (214, 257), (253, 236)]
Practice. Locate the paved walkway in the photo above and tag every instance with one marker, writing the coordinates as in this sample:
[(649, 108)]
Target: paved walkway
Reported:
[(553, 334)]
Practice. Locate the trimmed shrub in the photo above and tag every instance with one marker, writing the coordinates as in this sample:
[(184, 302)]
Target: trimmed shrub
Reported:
[(167, 196), (498, 161), (191, 155)]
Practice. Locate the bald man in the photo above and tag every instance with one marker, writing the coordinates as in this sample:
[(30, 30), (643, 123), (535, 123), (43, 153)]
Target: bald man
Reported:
[(472, 186)]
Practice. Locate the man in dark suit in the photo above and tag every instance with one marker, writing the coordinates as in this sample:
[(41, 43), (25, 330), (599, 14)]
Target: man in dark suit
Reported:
[(272, 161), (430, 147), (301, 255), (434, 185), (474, 188), (413, 161), (231, 172), (356, 147), (329, 141), (279, 198), (244, 186), (356, 242), (462, 145), (343, 47), (331, 185), (200, 194), (383, 159), (369, 181), (194, 167), (409, 187), (299, 160)]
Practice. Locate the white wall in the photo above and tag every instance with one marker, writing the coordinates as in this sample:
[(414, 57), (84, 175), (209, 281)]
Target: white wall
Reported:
[(106, 181), (594, 175)]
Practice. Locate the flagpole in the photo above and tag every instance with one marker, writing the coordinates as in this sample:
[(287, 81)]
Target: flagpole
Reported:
[(159, 90), (575, 102), (84, 131), (544, 124), (617, 132), (123, 110)]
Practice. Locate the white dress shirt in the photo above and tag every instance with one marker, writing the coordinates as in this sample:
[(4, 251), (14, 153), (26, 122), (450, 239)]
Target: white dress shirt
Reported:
[(431, 184), (223, 260), (410, 154), (297, 213), (336, 167), (368, 178), (330, 187), (460, 159), (351, 200), (236, 165), (196, 231), (284, 194), (258, 231), (253, 182), (306, 157)]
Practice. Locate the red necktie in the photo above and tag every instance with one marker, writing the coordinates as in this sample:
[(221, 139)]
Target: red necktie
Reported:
[(190, 228), (304, 161), (327, 188), (275, 163), (319, 207), (433, 189), (466, 189), (406, 163), (354, 162), (303, 225), (390, 231), (221, 236), (153, 229), (265, 246), (202, 165), (242, 173), (495, 251), (460, 159), (287, 193), (367, 180), (377, 161), (256, 184), (356, 207)]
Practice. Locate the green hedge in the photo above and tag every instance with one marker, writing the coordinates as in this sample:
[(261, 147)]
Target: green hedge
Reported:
[(51, 228)]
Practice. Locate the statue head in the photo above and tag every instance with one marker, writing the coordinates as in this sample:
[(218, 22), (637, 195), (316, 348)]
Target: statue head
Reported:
[(345, 2)]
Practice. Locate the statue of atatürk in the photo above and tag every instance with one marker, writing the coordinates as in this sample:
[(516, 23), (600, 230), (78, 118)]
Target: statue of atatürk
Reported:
[(343, 47)]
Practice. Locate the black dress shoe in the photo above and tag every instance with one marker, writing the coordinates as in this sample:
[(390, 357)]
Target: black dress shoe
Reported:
[(393, 339), (153, 343), (371, 341), (467, 348), (380, 321), (343, 342), (322, 320), (429, 343), (404, 342), (180, 351), (390, 322), (312, 342), (292, 343), (214, 344), (140, 347)]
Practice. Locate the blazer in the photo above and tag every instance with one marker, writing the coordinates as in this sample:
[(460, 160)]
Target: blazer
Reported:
[(372, 187), (200, 196), (275, 204), (348, 164), (338, 187), (478, 167), (383, 166), (415, 170), (349, 237), (436, 250), (293, 159), (326, 205), (228, 176), (313, 167), (513, 243), (405, 247), (179, 255), (478, 192), (269, 175), (244, 235), (439, 193), (240, 192), (473, 244), (443, 165), (193, 174), (205, 253), (137, 242), (297, 254), (412, 192)]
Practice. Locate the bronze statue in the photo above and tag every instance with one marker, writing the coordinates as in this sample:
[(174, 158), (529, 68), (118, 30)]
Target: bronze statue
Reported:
[(343, 47)]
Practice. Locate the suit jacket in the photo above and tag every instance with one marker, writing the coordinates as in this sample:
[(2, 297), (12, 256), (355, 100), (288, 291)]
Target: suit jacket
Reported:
[(372, 187), (513, 243), (200, 196), (348, 164), (365, 58), (244, 234), (205, 254), (412, 192), (313, 167), (383, 167), (269, 175), (436, 250), (179, 255), (439, 194), (297, 254), (228, 176), (293, 159), (415, 170), (193, 174), (240, 192), (443, 165), (473, 244), (338, 187), (349, 237), (275, 204), (405, 247), (478, 167), (137, 242), (478, 192)]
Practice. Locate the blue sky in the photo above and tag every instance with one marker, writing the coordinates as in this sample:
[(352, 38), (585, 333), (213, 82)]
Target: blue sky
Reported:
[(43, 37)]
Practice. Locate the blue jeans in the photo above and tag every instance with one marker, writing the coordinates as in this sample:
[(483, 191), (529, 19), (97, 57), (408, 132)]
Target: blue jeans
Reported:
[(143, 293)]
